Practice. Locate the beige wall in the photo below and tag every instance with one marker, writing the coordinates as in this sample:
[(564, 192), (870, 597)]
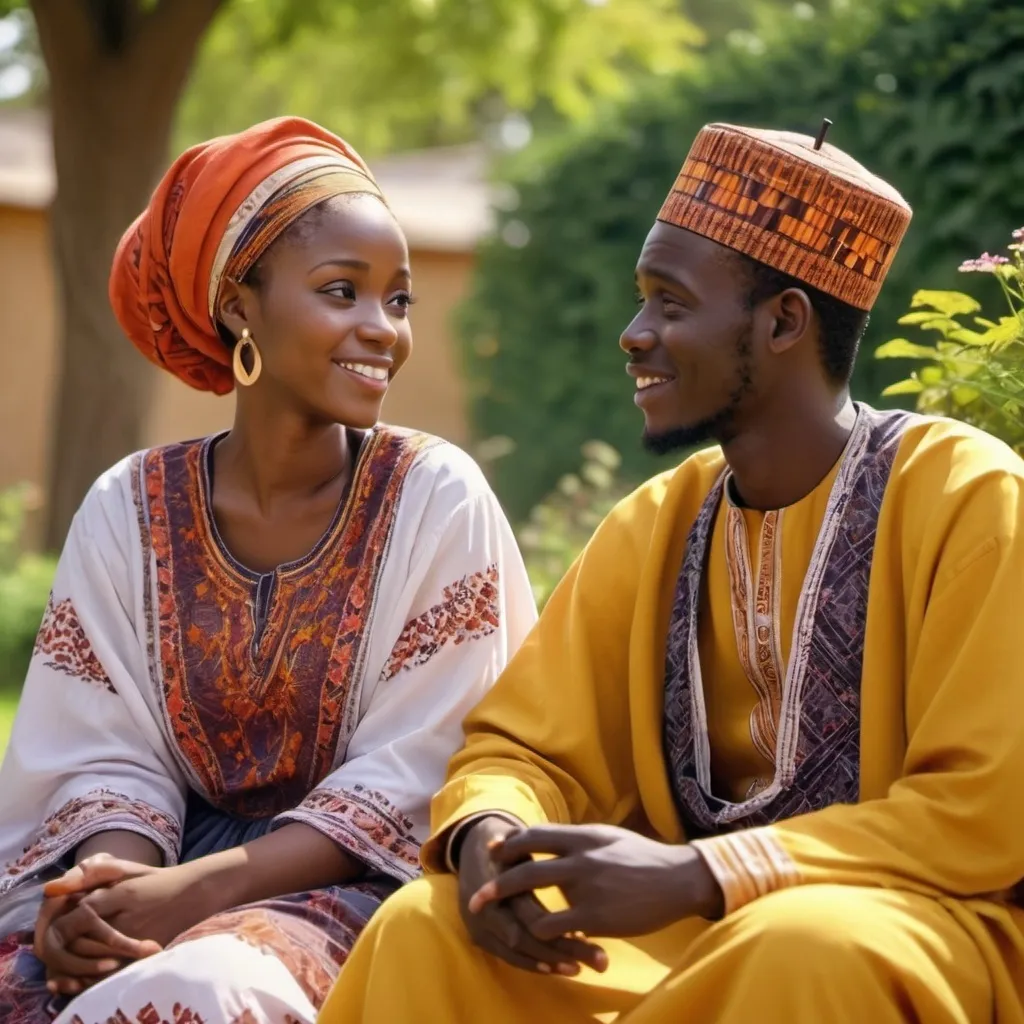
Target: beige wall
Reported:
[(429, 394), (27, 357)]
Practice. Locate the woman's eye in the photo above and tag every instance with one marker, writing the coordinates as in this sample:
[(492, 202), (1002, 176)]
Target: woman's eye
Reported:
[(638, 297), (342, 289), (403, 300)]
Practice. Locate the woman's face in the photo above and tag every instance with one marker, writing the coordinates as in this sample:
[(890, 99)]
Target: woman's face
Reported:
[(329, 311)]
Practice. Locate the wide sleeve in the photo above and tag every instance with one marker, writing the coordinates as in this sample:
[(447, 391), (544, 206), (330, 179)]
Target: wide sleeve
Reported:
[(950, 824), (86, 754), (551, 742), (467, 609)]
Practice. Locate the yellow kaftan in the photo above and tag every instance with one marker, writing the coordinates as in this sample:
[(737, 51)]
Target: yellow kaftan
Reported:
[(889, 910)]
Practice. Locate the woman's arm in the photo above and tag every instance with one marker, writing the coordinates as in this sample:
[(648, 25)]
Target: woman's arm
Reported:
[(122, 845), (295, 858)]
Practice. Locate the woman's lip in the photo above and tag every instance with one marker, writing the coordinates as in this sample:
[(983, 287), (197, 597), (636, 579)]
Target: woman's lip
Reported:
[(370, 383)]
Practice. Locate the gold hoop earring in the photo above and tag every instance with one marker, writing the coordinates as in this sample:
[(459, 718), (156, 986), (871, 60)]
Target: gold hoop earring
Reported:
[(246, 377)]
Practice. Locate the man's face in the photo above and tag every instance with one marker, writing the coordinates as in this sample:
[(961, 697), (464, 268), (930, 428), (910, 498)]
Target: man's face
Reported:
[(690, 344)]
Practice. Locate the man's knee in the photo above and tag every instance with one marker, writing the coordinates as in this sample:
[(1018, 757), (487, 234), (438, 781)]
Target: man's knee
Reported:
[(808, 927)]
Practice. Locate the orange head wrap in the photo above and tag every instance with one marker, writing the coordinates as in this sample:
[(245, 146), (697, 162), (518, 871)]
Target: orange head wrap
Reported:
[(212, 216)]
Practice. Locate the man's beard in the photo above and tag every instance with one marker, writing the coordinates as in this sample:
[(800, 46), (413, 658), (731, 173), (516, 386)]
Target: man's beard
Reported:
[(720, 427)]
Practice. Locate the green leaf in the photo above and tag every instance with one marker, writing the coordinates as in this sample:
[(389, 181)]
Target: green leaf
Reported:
[(911, 386), (966, 336), (932, 375), (963, 395), (1010, 329), (930, 321), (949, 303), (917, 318), (900, 348)]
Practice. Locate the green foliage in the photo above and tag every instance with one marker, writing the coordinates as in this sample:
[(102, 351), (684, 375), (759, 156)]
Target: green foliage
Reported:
[(414, 72), (25, 581), (907, 83), (560, 526), (974, 371)]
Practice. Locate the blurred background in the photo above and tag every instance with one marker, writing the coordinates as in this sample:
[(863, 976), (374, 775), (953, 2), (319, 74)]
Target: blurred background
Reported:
[(525, 146)]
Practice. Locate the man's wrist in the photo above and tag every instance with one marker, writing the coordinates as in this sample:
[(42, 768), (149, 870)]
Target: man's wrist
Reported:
[(704, 894), (498, 824)]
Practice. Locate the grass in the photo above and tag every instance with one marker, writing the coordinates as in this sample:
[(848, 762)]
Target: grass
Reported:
[(8, 704)]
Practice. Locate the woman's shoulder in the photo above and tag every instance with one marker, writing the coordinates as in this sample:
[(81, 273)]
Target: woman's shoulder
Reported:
[(435, 466), (120, 489)]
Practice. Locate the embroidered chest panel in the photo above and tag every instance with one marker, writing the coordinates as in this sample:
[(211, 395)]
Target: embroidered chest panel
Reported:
[(259, 673), (813, 735)]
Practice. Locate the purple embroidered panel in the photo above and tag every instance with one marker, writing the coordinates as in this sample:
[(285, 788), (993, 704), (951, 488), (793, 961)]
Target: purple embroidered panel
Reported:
[(819, 729)]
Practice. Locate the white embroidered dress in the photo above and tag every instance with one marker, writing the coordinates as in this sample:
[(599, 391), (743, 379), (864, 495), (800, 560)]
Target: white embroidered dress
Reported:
[(175, 694)]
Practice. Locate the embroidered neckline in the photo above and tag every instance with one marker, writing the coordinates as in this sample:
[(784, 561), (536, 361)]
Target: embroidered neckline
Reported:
[(788, 726), (214, 541), (756, 616)]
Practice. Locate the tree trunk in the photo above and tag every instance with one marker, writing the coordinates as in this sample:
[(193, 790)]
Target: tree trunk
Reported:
[(115, 76)]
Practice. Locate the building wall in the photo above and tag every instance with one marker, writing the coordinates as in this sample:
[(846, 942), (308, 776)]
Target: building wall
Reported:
[(429, 394), (28, 319)]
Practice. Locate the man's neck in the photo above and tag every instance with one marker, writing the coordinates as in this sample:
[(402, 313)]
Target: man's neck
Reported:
[(782, 459)]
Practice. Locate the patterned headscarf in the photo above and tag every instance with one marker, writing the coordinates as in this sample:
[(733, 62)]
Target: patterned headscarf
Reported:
[(793, 203), (215, 212)]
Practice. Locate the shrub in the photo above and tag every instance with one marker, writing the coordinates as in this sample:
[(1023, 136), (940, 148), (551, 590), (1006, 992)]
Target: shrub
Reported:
[(25, 581), (927, 93), (560, 526), (975, 370)]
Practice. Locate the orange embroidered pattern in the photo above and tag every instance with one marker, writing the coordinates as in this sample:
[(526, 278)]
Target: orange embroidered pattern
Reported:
[(310, 933), (469, 609), (68, 650), (836, 234), (367, 824), (99, 811), (259, 716)]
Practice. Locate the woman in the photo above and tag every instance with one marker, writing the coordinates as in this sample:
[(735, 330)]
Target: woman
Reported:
[(260, 646)]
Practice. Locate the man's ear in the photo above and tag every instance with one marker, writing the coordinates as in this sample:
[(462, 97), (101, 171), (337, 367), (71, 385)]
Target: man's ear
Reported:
[(794, 317)]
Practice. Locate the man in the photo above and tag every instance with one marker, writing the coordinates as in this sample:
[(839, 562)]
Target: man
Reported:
[(767, 739)]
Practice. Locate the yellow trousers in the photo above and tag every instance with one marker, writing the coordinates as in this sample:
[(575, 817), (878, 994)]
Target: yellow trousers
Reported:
[(809, 955)]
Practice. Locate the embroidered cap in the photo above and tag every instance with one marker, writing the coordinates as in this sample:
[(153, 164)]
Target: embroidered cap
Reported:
[(794, 203)]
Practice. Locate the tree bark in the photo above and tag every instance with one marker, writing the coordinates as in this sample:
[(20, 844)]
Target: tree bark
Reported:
[(116, 74)]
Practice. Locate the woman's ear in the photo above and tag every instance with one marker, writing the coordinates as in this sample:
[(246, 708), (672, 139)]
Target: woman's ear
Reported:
[(233, 306)]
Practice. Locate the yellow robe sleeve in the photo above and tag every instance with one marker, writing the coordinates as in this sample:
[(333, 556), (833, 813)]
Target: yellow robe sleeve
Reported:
[(551, 741), (951, 824)]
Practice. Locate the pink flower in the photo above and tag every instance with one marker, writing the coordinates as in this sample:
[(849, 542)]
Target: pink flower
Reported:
[(984, 264), (1018, 235)]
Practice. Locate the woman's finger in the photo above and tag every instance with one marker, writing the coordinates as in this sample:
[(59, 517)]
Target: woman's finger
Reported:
[(92, 948), (91, 873), (83, 922), (48, 912), (120, 944), (64, 986)]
